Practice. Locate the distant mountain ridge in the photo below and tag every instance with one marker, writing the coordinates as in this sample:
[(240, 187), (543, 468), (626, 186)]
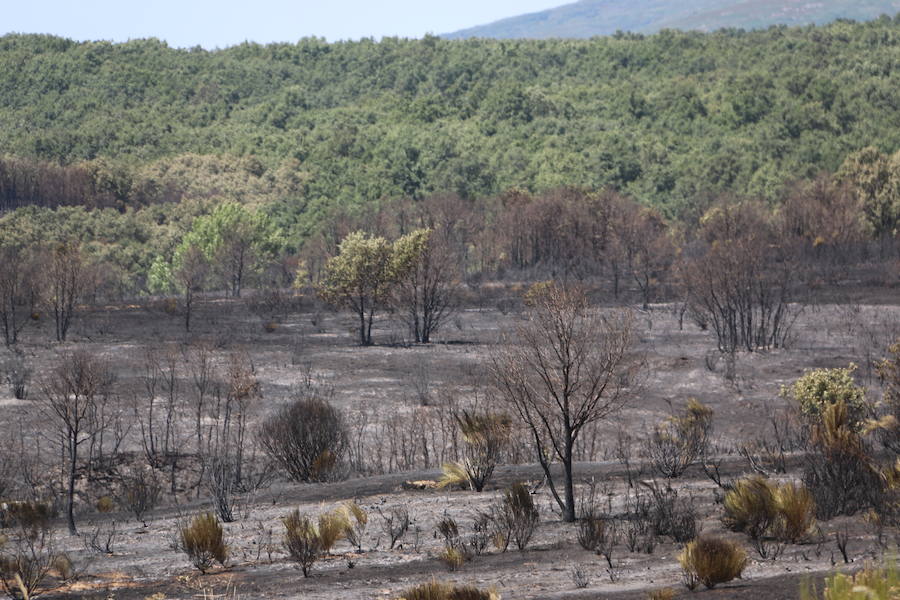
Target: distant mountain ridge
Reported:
[(588, 18)]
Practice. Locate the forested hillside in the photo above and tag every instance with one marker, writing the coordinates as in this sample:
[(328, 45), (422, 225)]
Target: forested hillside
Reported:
[(311, 137), (589, 18), (663, 118)]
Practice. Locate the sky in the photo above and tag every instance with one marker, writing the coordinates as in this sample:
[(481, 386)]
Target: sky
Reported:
[(221, 23)]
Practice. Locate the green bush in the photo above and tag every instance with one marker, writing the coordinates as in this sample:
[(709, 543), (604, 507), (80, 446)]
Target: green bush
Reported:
[(203, 541), (872, 583), (819, 388)]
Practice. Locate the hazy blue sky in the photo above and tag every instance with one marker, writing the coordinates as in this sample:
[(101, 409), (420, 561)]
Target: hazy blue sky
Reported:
[(212, 23)]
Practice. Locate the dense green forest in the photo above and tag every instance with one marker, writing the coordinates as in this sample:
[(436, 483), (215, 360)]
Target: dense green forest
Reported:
[(300, 133)]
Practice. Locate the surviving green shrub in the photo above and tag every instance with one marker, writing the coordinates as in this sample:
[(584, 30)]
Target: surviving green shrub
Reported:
[(203, 540), (302, 540), (872, 583), (444, 591), (710, 560), (819, 388)]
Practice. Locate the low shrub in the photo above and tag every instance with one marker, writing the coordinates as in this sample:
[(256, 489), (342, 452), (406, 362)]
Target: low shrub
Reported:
[(484, 436), (139, 492), (445, 591), (872, 583), (105, 504), (454, 558), (839, 469), (591, 532), (394, 523), (454, 476), (668, 514), (679, 441), (514, 518), (203, 541), (332, 527), (711, 561), (27, 516), (25, 563), (761, 508), (301, 541), (355, 524), (307, 439)]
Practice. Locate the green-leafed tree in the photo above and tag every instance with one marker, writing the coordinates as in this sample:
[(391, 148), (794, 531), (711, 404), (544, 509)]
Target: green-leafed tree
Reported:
[(360, 278), (237, 241), (366, 272), (876, 179), (187, 274)]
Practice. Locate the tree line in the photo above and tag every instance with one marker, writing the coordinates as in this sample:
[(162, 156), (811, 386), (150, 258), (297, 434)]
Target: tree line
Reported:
[(662, 118)]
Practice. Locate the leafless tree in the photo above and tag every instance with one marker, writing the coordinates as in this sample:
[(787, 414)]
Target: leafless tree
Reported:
[(65, 282), (18, 291), (741, 281), (191, 276), (428, 292), (570, 366), (70, 395)]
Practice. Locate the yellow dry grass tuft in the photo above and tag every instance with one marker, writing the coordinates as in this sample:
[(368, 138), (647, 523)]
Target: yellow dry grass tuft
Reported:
[(711, 561)]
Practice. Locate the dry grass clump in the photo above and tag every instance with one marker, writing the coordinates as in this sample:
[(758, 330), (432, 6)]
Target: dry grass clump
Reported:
[(356, 522), (796, 512), (762, 508), (302, 540), (665, 593), (710, 560), (454, 476), (445, 591), (332, 527), (750, 506), (203, 541), (454, 558)]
